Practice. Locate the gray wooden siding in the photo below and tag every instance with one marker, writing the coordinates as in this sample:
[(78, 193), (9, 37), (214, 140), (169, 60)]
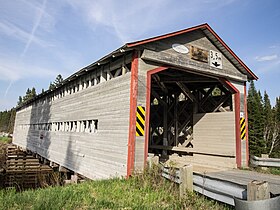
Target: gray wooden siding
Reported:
[(214, 132), (161, 51), (97, 155)]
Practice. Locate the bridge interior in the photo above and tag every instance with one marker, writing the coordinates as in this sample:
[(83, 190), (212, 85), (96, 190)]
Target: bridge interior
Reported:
[(178, 100)]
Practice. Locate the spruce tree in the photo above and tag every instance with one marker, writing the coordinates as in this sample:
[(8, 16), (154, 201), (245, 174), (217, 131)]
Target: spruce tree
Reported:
[(274, 145), (56, 83), (19, 101), (268, 122), (255, 121)]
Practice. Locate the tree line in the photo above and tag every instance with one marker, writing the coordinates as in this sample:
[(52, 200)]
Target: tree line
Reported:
[(264, 123), (7, 117)]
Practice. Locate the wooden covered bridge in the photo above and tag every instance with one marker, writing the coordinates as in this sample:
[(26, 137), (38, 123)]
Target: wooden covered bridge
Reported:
[(181, 93)]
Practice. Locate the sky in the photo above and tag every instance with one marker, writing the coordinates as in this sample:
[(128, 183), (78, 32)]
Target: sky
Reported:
[(40, 39)]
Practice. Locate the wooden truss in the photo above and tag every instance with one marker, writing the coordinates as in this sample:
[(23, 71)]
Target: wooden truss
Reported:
[(175, 97)]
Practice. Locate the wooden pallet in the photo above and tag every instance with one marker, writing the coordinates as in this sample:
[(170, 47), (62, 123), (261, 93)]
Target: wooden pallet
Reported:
[(22, 169)]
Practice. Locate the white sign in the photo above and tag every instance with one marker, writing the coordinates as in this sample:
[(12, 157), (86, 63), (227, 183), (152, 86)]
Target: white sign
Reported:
[(241, 114), (215, 59), (180, 48)]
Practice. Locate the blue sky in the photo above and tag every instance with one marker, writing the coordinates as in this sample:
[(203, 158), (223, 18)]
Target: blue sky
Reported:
[(43, 38)]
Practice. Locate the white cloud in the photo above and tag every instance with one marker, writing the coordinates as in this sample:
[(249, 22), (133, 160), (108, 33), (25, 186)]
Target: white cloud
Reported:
[(37, 21), (266, 58), (130, 20), (13, 31), (11, 70), (28, 24), (125, 18)]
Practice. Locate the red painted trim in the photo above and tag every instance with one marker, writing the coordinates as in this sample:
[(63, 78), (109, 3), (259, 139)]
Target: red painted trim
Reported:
[(227, 83), (246, 121), (232, 53), (237, 128), (236, 93), (148, 106), (202, 26), (145, 41), (132, 114)]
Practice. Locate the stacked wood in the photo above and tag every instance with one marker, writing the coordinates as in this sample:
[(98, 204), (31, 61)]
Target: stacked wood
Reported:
[(23, 170)]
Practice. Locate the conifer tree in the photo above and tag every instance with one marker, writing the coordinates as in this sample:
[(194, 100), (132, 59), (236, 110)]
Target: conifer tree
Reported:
[(268, 122), (255, 121), (58, 80), (274, 146)]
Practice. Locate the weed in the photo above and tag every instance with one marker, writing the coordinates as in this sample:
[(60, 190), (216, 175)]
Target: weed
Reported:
[(147, 190), (5, 139)]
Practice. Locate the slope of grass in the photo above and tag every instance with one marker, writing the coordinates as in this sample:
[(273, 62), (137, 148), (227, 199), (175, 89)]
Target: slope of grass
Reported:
[(146, 191)]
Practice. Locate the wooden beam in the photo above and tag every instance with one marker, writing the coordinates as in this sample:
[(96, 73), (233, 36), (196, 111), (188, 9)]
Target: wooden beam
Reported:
[(186, 122), (186, 91), (190, 150), (186, 79), (165, 125), (118, 73), (221, 102), (154, 93), (206, 95), (176, 119), (160, 84)]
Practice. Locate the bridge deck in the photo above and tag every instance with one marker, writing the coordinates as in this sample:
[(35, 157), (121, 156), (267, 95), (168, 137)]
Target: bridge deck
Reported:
[(244, 177)]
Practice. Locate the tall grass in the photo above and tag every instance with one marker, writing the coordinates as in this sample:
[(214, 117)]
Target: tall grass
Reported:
[(142, 191)]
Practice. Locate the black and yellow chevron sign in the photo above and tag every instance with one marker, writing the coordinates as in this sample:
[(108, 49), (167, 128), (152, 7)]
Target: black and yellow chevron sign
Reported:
[(243, 128), (140, 121)]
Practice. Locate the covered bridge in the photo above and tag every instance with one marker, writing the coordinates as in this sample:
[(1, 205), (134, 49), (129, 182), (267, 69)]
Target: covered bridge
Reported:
[(183, 92)]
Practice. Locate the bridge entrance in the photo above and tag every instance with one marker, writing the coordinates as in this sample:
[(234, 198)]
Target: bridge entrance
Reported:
[(192, 114)]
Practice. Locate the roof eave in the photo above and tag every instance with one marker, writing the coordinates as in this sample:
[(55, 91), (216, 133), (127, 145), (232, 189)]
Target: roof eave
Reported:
[(204, 26)]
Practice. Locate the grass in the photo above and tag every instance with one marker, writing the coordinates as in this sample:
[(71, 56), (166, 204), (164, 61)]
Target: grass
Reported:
[(144, 191), (269, 170), (5, 139)]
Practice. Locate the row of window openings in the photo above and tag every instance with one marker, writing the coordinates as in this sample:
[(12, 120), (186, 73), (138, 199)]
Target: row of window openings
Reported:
[(76, 87), (87, 126)]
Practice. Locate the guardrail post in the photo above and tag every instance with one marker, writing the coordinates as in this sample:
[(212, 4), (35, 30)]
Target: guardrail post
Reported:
[(264, 156), (186, 177), (257, 190)]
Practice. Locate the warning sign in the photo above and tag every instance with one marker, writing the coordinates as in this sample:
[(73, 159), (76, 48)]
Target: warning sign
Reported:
[(215, 59), (243, 128), (140, 121)]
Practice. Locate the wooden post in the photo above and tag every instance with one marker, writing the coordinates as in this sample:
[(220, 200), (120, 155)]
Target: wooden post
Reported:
[(176, 119), (264, 156), (257, 190), (74, 179), (153, 161), (186, 177), (165, 126)]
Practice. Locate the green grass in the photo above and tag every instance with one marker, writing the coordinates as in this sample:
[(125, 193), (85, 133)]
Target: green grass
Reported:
[(269, 170), (146, 191), (5, 139), (275, 171)]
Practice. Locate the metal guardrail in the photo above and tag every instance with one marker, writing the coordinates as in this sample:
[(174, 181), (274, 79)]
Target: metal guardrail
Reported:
[(266, 162), (217, 189)]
